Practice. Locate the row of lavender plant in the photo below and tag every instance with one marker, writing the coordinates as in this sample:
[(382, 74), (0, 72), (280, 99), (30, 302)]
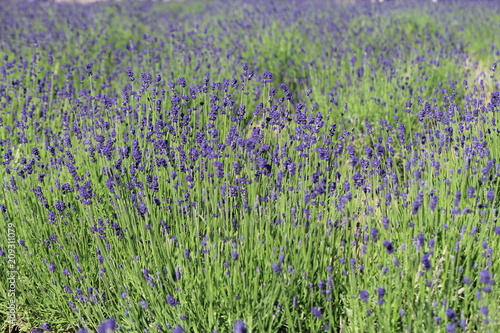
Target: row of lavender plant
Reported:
[(263, 167)]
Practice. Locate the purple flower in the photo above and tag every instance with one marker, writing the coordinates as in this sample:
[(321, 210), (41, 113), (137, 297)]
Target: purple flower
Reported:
[(267, 77), (143, 209), (388, 246), (450, 328), (363, 294), (60, 206), (171, 300), (107, 326), (374, 233), (323, 153), (418, 202), (281, 258), (239, 327), (130, 74), (181, 82), (316, 312), (450, 313), (220, 169), (420, 240), (395, 261), (478, 295), (321, 285), (432, 242), (52, 217), (458, 196), (381, 292), (277, 268), (470, 191), (291, 168), (434, 202), (235, 255), (490, 195), (237, 167), (484, 310), (187, 254), (46, 326), (426, 261), (485, 277), (178, 329), (88, 69), (385, 222)]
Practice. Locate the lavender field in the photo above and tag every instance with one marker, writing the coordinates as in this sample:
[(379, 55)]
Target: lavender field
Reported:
[(257, 166)]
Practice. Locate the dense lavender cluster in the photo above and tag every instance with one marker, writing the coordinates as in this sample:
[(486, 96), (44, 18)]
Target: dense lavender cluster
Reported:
[(275, 166)]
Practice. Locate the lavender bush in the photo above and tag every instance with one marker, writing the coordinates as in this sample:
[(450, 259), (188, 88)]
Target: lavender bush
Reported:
[(262, 166)]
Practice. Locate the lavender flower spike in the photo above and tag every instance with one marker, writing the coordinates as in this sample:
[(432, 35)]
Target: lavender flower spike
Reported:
[(239, 327), (107, 326), (363, 294), (178, 329)]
